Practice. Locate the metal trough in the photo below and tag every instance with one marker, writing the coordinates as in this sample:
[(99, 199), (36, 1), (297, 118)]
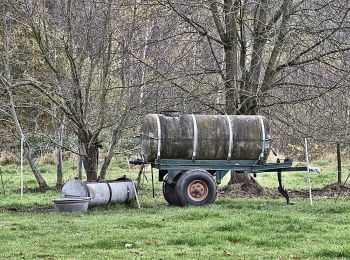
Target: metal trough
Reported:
[(78, 204)]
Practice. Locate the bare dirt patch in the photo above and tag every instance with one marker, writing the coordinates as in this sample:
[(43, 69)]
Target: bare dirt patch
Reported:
[(329, 191), (250, 190), (246, 190)]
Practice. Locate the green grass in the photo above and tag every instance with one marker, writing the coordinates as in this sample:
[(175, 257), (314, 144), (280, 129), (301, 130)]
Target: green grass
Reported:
[(232, 229)]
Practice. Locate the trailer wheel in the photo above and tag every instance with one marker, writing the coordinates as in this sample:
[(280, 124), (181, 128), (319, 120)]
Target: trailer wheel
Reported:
[(170, 194), (196, 187)]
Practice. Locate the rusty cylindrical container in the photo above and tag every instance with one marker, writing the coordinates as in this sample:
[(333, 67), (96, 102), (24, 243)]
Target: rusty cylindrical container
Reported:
[(205, 137), (101, 192)]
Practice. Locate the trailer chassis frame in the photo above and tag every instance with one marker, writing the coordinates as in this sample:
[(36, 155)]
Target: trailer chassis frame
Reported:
[(219, 168)]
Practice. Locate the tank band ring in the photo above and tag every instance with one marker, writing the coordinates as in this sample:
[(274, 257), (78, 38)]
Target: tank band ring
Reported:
[(110, 193), (230, 144), (263, 137), (195, 136), (159, 131)]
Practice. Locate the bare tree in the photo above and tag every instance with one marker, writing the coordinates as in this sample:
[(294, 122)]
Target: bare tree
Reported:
[(259, 46), (90, 74)]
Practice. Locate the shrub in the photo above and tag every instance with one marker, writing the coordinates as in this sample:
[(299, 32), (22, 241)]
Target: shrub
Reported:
[(9, 158), (48, 158)]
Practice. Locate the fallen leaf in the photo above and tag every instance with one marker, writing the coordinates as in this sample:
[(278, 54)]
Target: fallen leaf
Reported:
[(127, 245)]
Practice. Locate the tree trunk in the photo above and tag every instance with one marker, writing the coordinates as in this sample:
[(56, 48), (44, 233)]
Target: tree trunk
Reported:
[(37, 174), (80, 163), (90, 158), (106, 162), (109, 156), (59, 168), (59, 135), (236, 103), (80, 168), (239, 177), (59, 154), (90, 165), (231, 97)]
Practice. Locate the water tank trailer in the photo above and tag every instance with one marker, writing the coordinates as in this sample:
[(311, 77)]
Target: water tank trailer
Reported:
[(194, 152)]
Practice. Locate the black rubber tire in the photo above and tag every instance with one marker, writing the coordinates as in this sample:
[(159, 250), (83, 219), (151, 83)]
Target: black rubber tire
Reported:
[(187, 178), (170, 194)]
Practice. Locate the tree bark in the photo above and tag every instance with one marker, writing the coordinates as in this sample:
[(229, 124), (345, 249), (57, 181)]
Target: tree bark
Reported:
[(80, 164), (237, 97), (108, 158), (89, 147), (59, 157), (80, 168), (233, 98), (59, 168), (59, 136), (239, 177), (115, 134), (36, 171)]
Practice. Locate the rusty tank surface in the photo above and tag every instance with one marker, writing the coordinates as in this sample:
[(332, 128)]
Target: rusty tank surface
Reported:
[(204, 137)]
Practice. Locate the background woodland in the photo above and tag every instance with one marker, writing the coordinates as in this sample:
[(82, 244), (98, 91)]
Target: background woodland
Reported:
[(77, 77)]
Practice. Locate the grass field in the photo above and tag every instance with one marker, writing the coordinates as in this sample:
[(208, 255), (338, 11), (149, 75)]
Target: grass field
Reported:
[(234, 229)]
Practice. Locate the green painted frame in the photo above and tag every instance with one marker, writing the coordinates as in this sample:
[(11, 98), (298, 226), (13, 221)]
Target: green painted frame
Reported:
[(174, 167)]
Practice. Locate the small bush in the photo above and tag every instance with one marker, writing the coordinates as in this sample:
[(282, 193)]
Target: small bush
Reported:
[(48, 159), (8, 158)]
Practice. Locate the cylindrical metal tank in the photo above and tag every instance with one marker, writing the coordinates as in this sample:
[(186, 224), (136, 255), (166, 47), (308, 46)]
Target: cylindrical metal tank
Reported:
[(101, 192), (205, 137)]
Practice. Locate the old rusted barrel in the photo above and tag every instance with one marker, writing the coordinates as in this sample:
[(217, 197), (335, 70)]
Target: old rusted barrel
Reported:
[(204, 137)]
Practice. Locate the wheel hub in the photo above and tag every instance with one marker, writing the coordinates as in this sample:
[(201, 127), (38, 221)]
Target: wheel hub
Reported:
[(197, 190)]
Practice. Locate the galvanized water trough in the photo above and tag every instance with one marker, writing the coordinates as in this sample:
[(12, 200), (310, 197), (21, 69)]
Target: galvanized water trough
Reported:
[(77, 204)]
